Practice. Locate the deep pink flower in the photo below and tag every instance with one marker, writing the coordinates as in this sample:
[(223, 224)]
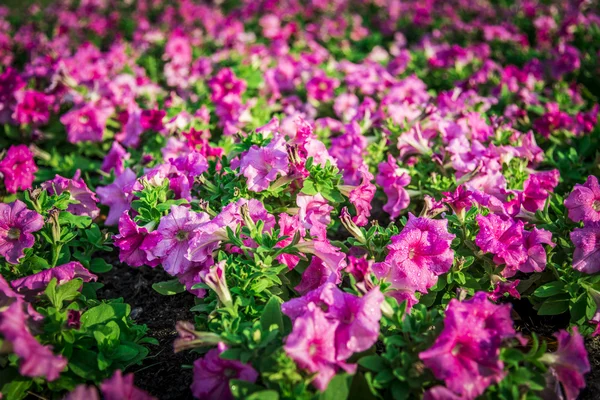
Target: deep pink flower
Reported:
[(17, 224), (261, 165), (418, 255), (120, 387), (586, 257), (36, 360), (314, 214), (152, 120), (501, 288), (117, 196), (212, 374), (503, 237), (584, 201), (458, 200), (115, 158), (315, 275), (537, 188), (33, 107), (320, 87), (466, 354), (331, 256), (536, 254), (18, 168), (176, 231), (362, 195), (86, 123), (36, 283), (85, 199), (134, 242), (569, 363), (225, 82), (393, 180)]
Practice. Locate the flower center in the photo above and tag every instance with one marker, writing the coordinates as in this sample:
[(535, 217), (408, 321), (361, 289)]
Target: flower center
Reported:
[(182, 235), (14, 233), (229, 372), (312, 349), (411, 253), (596, 205), (84, 119), (323, 86)]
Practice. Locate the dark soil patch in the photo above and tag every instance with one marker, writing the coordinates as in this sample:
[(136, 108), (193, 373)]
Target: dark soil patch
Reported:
[(592, 379), (161, 374)]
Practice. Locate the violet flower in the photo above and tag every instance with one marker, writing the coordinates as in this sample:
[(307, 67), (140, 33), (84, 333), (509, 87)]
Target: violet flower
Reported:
[(586, 257), (117, 196), (262, 165), (34, 284), (17, 224), (85, 199), (584, 201)]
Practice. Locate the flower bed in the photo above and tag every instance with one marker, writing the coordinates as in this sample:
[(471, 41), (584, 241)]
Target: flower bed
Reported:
[(300, 200)]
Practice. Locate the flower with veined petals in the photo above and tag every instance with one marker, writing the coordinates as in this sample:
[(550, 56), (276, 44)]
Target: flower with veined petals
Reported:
[(36, 283), (17, 224), (586, 257), (117, 196), (393, 180), (584, 201), (18, 168), (85, 199), (134, 242), (502, 237), (262, 165), (314, 214)]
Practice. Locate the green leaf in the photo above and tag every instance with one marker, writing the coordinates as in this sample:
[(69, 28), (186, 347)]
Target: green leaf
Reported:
[(553, 307), (272, 315), (338, 388), (99, 266), (264, 395), (374, 363), (400, 390), (550, 289), (77, 221), (65, 292), (103, 313), (169, 288)]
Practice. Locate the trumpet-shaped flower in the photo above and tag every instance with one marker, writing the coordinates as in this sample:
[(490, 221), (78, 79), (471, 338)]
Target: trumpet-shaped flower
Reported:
[(17, 224), (586, 257), (85, 199), (393, 180), (36, 283), (584, 201), (261, 165)]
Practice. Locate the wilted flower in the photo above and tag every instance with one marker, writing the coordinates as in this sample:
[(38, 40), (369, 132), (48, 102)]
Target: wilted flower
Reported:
[(215, 278), (17, 224)]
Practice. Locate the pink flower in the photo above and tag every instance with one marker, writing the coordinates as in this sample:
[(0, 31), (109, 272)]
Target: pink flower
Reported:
[(503, 288), (36, 360), (569, 363), (33, 107), (152, 120), (36, 283), (86, 123), (261, 165), (176, 231), (503, 238), (586, 257), (85, 199), (117, 196), (331, 256), (418, 255), (17, 224), (536, 254), (393, 180), (120, 387), (458, 200), (115, 158), (315, 275), (225, 82), (537, 188), (312, 345), (466, 354), (584, 201), (18, 168), (133, 243), (314, 214), (212, 374), (320, 87), (362, 196)]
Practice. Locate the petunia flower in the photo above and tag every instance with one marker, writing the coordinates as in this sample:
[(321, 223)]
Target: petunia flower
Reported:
[(362, 195), (586, 257), (134, 242), (584, 201), (503, 237), (36, 283), (466, 353), (212, 374), (117, 196), (536, 254), (393, 180), (262, 165), (87, 122), (17, 224), (85, 199), (152, 120), (115, 159), (33, 107), (537, 188), (18, 168), (119, 387), (314, 214)]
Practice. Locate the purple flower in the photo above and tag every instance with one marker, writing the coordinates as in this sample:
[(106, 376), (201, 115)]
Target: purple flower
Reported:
[(34, 284), (18, 168), (586, 257), (133, 243), (261, 165), (120, 387), (85, 199), (152, 120), (315, 275), (36, 360), (537, 188), (17, 224), (314, 214), (176, 231), (503, 238), (33, 107), (86, 123), (466, 353), (393, 180), (569, 363), (584, 201), (320, 87), (212, 374), (504, 287), (117, 196), (418, 255), (536, 254), (115, 158)]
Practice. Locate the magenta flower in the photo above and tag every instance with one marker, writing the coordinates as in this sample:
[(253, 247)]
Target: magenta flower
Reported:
[(393, 180), (584, 201), (537, 188), (224, 83), (36, 283), (586, 257), (314, 276), (134, 242), (418, 255), (362, 195), (466, 354), (176, 231), (152, 120), (36, 360), (212, 374), (505, 287), (320, 87), (314, 214), (536, 253), (331, 256), (86, 123), (569, 363), (33, 107), (261, 165), (85, 199), (503, 238), (312, 345), (117, 196), (17, 224), (120, 387), (18, 168), (459, 200), (115, 158)]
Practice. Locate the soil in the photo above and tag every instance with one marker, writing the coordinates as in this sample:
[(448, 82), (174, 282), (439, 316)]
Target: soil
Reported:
[(162, 374)]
